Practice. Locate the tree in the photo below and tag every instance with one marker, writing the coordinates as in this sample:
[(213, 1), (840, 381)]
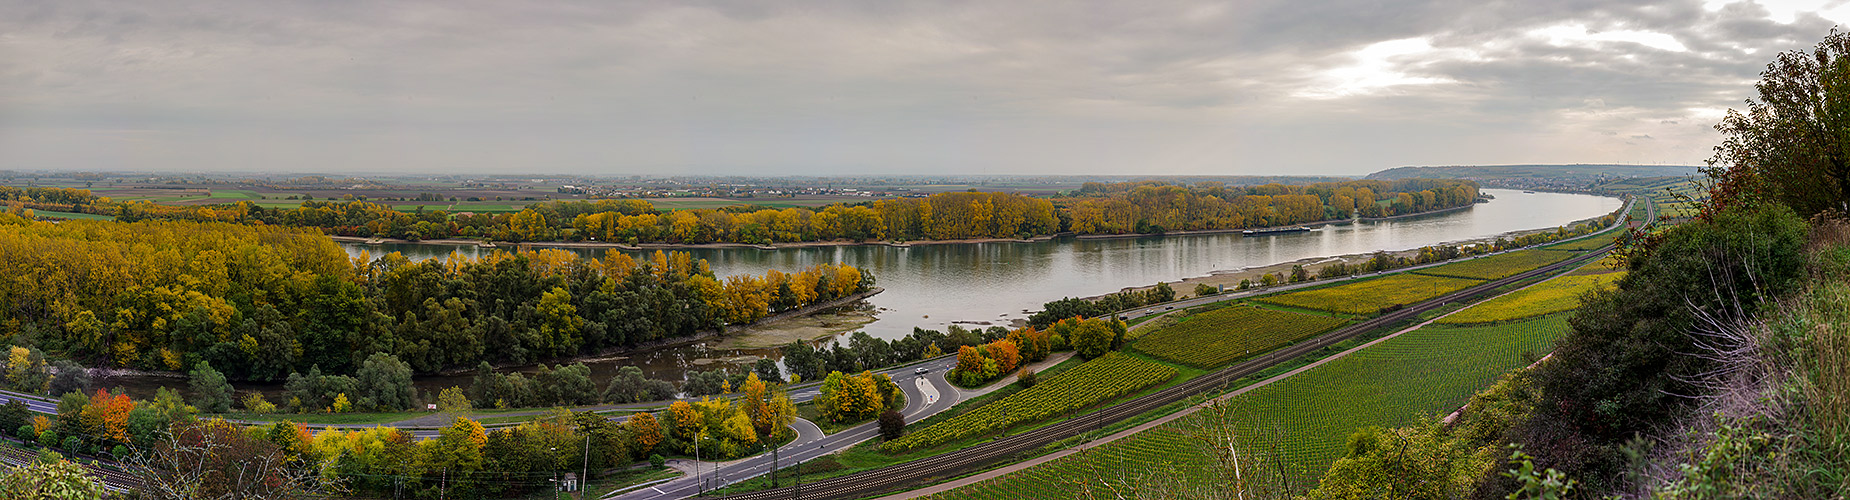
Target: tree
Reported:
[(1792, 145), (217, 459), (211, 393), (1091, 339), (768, 407), (385, 383), (70, 377), (453, 400), (892, 425), (647, 432), (60, 480)]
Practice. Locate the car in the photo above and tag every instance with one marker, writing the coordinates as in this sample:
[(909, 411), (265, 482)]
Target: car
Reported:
[(1149, 311), (922, 370)]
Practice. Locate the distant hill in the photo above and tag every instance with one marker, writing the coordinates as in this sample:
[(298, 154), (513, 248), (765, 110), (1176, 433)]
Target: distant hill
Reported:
[(1556, 172)]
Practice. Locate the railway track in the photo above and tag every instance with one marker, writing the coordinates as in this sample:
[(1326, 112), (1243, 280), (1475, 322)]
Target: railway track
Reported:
[(956, 463)]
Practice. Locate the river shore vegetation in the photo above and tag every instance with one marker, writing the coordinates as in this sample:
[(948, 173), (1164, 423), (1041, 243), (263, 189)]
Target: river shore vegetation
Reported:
[(1147, 207)]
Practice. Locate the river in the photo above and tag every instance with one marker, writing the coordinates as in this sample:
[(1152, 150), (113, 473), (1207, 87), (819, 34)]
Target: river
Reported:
[(931, 286)]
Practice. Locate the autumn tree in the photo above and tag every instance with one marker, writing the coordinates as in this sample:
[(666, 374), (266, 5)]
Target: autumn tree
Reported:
[(768, 406), (1792, 145), (647, 432), (1091, 339)]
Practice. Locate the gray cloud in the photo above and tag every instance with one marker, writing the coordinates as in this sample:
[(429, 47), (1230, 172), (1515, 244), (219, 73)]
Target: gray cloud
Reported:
[(852, 87)]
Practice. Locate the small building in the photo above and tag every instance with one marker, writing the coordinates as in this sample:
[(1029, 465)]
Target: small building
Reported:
[(570, 483)]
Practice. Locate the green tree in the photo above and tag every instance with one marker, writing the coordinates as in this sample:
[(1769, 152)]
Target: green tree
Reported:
[(1793, 143), (211, 393), (385, 383)]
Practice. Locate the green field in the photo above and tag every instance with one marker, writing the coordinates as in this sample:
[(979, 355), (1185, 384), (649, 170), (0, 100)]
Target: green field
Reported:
[(1553, 296), (1098, 380), (1497, 266), (1218, 337), (1295, 427), (1370, 296)]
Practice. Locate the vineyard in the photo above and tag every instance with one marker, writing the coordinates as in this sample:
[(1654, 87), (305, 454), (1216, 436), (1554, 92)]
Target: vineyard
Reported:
[(1498, 266), (1588, 243), (1218, 337), (1370, 296), (1297, 426), (1101, 379), (1552, 296)]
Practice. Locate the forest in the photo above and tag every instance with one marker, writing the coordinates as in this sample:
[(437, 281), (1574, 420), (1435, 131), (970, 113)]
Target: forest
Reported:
[(259, 302), (1146, 207)]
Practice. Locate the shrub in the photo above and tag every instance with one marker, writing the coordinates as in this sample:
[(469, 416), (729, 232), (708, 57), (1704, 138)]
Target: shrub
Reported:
[(892, 425)]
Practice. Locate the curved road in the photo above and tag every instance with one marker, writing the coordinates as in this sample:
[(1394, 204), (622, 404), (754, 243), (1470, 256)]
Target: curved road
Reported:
[(926, 395)]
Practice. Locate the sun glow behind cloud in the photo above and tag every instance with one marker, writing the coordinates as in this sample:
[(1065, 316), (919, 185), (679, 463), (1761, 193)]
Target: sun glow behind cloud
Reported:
[(1378, 68)]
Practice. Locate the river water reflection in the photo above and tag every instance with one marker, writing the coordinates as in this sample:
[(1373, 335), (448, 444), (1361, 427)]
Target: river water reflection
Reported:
[(931, 285)]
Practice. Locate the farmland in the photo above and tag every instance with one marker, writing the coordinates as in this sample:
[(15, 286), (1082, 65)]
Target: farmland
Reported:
[(1497, 266), (1556, 295), (1218, 337), (1297, 425), (1098, 380), (1587, 243), (1370, 296)]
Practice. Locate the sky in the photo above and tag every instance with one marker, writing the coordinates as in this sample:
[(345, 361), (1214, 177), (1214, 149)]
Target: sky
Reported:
[(857, 87)]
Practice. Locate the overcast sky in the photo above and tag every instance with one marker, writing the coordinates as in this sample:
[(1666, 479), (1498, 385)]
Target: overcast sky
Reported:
[(872, 87)]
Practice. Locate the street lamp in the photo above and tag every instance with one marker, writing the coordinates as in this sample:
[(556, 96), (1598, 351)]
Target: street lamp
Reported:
[(555, 472)]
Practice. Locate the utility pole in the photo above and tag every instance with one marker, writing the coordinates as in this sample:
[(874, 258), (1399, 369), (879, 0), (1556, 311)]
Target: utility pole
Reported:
[(584, 477), (700, 487)]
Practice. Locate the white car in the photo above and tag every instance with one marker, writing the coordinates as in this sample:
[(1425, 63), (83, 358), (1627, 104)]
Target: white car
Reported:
[(922, 370)]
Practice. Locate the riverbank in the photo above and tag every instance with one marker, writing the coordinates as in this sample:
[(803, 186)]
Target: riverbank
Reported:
[(842, 243)]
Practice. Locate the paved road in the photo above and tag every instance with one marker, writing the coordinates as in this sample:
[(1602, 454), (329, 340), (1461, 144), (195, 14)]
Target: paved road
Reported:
[(925, 395)]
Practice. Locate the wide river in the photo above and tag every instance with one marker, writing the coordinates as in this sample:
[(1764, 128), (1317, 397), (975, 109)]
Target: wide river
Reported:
[(932, 285)]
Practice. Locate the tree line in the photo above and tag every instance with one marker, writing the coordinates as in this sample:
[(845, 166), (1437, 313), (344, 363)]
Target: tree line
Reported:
[(1095, 208), (261, 302)]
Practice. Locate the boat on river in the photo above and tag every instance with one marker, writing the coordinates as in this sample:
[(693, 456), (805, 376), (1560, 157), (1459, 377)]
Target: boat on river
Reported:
[(1276, 230)]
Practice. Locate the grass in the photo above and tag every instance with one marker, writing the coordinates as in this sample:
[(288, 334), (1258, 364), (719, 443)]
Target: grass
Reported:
[(1299, 425), (1107, 377), (1497, 266), (1373, 295), (1553, 296), (1218, 337)]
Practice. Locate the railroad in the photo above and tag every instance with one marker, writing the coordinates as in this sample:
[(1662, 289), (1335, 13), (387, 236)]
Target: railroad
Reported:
[(929, 469)]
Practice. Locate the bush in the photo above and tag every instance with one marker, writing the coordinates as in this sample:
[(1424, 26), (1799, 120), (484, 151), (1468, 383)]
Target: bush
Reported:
[(892, 425), (1025, 378), (657, 460), (24, 432), (73, 444)]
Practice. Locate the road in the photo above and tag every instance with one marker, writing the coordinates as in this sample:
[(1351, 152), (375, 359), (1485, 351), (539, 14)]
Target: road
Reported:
[(926, 395)]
